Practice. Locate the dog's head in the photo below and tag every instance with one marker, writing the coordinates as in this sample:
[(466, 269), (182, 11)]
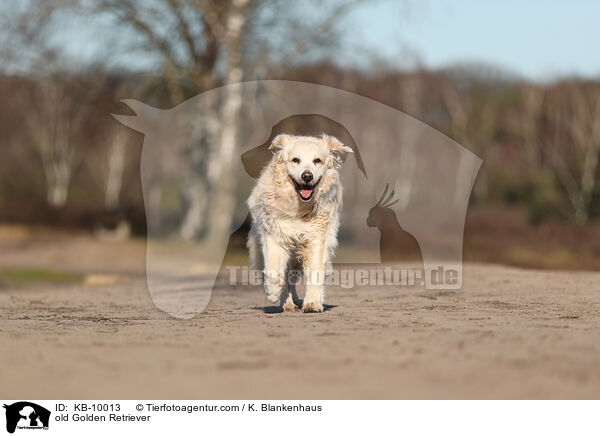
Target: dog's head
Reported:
[(307, 160)]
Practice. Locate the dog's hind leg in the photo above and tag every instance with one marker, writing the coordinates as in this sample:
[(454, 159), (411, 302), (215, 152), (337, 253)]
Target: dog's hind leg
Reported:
[(294, 274), (274, 277), (290, 302), (254, 251)]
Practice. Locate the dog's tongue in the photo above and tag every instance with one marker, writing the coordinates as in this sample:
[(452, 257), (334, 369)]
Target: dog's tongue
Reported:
[(305, 193)]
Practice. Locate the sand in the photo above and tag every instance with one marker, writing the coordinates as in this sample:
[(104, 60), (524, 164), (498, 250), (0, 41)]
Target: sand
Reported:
[(509, 333)]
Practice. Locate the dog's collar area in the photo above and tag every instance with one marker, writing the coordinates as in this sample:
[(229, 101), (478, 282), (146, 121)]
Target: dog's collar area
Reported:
[(305, 192)]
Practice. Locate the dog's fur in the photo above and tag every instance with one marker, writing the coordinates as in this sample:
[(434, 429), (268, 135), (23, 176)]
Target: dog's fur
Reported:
[(295, 220)]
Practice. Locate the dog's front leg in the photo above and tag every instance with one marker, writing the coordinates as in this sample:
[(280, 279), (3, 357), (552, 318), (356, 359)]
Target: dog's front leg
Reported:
[(276, 259), (314, 269)]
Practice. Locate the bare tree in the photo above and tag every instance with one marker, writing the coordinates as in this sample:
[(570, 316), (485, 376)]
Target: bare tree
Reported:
[(51, 117), (529, 126), (412, 98), (198, 45), (224, 156), (114, 167), (472, 126), (206, 131), (576, 149)]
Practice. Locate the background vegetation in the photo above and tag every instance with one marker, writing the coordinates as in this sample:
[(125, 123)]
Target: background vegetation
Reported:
[(65, 161)]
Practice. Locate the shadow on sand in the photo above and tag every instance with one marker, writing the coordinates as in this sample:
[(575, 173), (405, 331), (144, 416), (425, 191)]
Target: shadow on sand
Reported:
[(279, 309)]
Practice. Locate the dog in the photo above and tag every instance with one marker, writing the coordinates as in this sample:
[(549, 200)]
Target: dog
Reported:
[(295, 209)]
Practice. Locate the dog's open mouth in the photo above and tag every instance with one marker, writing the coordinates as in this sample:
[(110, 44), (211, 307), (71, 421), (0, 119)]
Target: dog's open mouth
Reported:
[(305, 192)]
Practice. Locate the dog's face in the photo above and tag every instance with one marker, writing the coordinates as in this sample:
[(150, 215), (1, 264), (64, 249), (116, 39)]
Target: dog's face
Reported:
[(307, 160), (305, 164)]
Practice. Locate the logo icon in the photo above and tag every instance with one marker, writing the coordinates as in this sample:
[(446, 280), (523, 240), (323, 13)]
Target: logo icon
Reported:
[(26, 415)]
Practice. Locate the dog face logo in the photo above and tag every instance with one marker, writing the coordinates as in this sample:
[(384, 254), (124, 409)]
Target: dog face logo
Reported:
[(26, 415)]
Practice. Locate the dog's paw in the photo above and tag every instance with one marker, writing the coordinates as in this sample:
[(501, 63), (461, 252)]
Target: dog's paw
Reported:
[(290, 307), (312, 307), (273, 299)]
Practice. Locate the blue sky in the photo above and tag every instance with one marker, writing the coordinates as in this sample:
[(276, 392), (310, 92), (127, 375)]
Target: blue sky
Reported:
[(539, 40), (536, 39)]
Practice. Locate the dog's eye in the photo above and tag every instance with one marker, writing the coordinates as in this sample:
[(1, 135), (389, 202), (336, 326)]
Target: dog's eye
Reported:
[(317, 161), (296, 160)]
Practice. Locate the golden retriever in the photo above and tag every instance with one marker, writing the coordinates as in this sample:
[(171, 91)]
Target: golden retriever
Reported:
[(295, 208)]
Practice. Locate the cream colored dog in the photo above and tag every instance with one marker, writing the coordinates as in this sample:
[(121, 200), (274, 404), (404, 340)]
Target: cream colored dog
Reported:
[(295, 210)]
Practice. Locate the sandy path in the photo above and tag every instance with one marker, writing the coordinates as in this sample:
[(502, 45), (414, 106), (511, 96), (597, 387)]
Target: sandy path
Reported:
[(508, 334)]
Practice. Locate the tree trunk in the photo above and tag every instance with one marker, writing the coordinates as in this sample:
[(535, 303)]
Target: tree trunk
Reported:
[(58, 189), (58, 160), (224, 163), (194, 221), (114, 172)]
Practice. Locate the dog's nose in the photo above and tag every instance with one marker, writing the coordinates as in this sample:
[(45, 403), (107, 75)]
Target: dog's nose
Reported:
[(307, 176)]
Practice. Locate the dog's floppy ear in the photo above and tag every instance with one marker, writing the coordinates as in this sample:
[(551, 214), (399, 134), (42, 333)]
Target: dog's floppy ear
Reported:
[(279, 143), (335, 145)]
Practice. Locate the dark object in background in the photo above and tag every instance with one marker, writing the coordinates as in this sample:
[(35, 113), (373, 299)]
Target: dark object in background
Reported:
[(113, 225)]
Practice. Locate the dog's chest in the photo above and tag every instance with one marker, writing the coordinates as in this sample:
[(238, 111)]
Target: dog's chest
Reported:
[(301, 229)]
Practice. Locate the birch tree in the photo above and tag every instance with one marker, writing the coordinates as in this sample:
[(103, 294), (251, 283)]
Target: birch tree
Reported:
[(114, 167), (51, 118), (223, 160)]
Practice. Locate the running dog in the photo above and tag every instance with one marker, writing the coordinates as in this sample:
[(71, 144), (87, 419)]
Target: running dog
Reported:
[(295, 208)]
